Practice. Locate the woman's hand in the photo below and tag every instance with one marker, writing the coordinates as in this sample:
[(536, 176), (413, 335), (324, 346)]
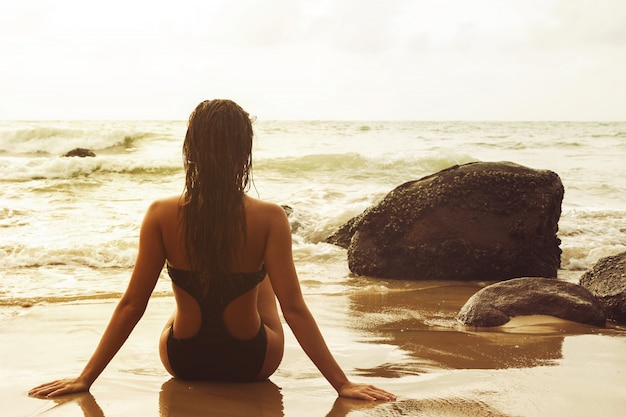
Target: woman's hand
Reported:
[(365, 392), (59, 387)]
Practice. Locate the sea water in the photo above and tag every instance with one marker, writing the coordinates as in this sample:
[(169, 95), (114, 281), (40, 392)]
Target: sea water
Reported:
[(69, 226)]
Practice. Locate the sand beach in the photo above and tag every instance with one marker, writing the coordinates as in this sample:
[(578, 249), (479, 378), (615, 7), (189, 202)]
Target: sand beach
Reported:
[(400, 336)]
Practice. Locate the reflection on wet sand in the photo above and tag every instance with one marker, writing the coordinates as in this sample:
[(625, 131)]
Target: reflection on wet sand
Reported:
[(184, 398), (85, 401), (264, 399), (419, 317), (206, 399)]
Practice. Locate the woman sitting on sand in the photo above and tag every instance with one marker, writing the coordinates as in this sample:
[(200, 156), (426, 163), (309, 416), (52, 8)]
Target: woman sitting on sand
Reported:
[(229, 257)]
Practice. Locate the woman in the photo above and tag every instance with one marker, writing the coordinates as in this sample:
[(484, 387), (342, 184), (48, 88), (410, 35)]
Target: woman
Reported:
[(229, 257)]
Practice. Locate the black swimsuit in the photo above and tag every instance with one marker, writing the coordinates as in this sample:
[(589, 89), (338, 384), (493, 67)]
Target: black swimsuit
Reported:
[(214, 354)]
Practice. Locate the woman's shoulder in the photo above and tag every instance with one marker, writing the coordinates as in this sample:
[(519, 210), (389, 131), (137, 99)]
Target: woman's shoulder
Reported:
[(256, 203), (164, 206), (265, 209), (172, 201)]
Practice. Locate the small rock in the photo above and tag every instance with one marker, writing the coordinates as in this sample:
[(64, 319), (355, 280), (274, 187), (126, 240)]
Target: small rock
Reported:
[(80, 152)]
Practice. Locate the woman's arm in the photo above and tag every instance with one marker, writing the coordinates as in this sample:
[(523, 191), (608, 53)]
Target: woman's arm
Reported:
[(283, 276), (126, 315)]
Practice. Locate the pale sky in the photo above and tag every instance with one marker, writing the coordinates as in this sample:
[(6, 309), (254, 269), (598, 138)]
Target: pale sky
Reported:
[(315, 59)]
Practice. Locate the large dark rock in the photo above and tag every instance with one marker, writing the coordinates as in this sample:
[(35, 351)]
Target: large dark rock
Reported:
[(495, 304), (478, 221), (607, 281), (80, 152)]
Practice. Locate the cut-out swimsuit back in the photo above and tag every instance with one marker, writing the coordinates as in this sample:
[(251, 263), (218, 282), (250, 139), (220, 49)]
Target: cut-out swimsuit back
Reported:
[(214, 354)]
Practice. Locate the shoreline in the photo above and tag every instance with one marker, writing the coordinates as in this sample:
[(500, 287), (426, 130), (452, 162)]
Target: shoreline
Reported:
[(533, 366)]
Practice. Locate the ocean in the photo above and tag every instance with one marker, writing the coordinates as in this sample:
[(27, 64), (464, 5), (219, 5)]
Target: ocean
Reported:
[(69, 226)]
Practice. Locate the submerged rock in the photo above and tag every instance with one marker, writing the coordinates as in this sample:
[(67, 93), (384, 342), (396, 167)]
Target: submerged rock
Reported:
[(80, 152), (606, 280), (479, 221), (495, 304)]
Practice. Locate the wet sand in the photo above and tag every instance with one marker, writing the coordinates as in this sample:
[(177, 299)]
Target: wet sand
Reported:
[(398, 335)]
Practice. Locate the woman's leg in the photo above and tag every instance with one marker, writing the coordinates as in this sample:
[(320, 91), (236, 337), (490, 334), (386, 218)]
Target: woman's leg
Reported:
[(163, 344), (273, 328)]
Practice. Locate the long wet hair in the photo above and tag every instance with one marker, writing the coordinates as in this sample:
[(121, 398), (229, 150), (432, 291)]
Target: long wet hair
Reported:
[(218, 164)]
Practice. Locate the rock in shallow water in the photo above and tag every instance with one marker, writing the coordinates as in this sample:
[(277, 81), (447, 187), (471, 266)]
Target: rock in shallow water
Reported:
[(607, 281), (479, 221), (495, 304)]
